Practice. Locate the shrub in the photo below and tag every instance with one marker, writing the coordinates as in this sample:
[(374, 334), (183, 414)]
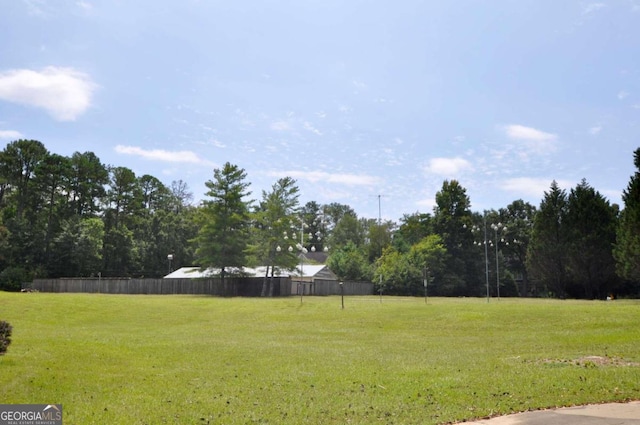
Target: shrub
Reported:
[(11, 278), (5, 336)]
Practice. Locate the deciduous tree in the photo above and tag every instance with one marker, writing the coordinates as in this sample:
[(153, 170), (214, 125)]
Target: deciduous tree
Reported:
[(349, 262), (451, 213)]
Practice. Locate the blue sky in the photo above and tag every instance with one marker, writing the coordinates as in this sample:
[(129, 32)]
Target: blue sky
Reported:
[(354, 99)]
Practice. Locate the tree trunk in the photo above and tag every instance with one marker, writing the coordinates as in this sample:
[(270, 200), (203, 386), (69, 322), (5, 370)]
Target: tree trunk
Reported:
[(271, 283), (264, 283)]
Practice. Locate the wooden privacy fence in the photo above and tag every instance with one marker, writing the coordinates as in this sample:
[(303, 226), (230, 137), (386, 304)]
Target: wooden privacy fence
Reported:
[(331, 287), (232, 286)]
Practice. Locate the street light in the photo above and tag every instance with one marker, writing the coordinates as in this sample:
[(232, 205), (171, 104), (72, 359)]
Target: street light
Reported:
[(495, 228), (475, 229), (300, 246), (170, 258), (426, 283)]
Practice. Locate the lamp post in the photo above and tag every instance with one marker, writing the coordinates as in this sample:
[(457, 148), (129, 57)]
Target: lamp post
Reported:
[(170, 258), (475, 229), (496, 228), (342, 293), (302, 249), (426, 283)]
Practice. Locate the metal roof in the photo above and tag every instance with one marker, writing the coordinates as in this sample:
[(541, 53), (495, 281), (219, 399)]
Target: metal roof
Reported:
[(308, 270)]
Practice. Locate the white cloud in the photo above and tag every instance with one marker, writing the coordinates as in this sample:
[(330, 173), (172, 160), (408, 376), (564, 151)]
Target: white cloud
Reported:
[(320, 176), (86, 6), (280, 126), (534, 187), (593, 7), (63, 92), (35, 7), (594, 131), (162, 155), (308, 126), (217, 143), (532, 140), (520, 132), (10, 135), (622, 95), (449, 167), (331, 193), (359, 85)]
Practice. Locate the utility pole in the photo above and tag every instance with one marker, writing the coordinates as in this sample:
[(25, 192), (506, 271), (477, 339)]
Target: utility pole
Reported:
[(380, 238)]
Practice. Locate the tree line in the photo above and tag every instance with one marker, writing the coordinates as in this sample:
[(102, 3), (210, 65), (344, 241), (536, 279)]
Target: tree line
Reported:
[(77, 217)]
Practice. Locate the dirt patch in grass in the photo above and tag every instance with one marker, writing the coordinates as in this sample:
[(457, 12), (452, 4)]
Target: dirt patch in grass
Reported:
[(592, 361)]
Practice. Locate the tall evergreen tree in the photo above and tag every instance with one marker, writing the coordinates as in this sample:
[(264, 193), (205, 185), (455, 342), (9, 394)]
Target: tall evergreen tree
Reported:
[(78, 248), (547, 255), (89, 177), (591, 226), (272, 222), (22, 200), (125, 196), (627, 246), (18, 163), (51, 177), (518, 219), (155, 195), (122, 243), (224, 233)]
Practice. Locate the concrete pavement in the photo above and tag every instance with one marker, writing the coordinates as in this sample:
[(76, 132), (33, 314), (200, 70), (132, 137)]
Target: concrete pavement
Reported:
[(594, 414)]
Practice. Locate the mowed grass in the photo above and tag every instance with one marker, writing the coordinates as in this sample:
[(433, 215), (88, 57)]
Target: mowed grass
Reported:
[(112, 359)]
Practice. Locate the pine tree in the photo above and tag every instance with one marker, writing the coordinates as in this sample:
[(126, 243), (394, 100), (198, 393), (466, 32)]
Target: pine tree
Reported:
[(627, 247), (591, 227), (273, 221), (546, 258), (224, 233)]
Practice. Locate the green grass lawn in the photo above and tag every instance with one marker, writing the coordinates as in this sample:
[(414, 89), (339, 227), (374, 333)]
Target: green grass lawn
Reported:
[(112, 359)]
